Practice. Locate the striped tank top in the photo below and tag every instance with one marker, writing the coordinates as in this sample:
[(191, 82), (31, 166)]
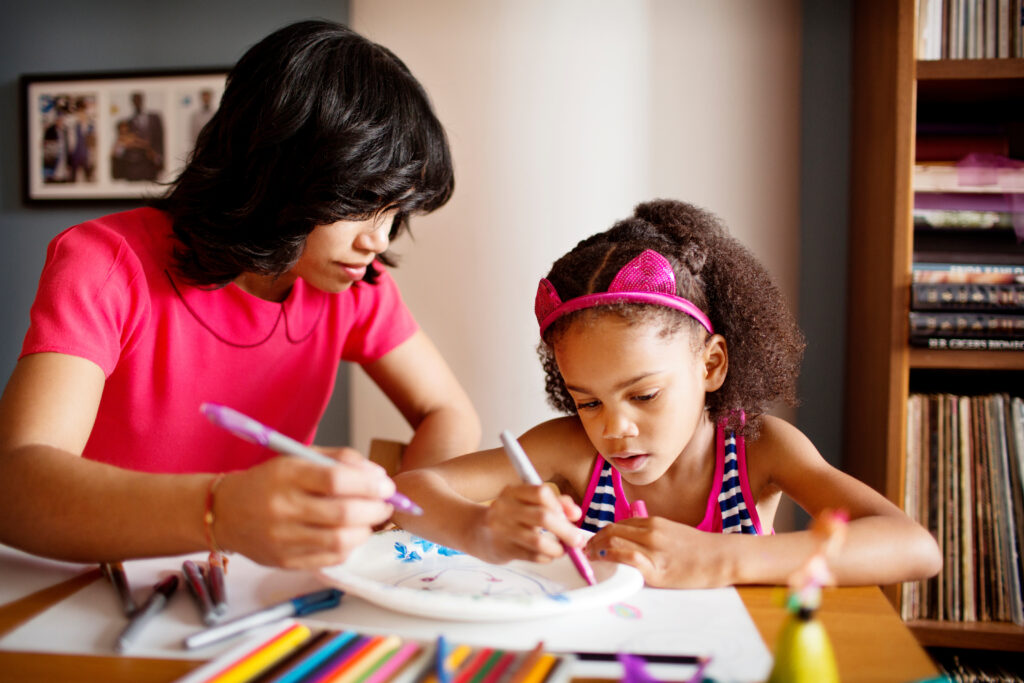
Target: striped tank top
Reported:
[(730, 508)]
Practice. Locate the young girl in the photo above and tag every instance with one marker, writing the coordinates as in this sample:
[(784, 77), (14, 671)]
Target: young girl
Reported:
[(246, 285), (666, 343)]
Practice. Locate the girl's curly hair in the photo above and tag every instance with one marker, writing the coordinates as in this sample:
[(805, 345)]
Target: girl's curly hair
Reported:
[(715, 272)]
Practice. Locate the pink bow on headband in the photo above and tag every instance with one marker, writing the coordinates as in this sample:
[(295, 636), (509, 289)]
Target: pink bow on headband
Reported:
[(647, 279)]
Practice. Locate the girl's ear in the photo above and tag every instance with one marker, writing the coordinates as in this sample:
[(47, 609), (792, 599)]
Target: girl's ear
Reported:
[(716, 362)]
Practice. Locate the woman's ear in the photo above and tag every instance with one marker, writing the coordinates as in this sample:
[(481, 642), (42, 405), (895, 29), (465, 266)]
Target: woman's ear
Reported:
[(716, 362)]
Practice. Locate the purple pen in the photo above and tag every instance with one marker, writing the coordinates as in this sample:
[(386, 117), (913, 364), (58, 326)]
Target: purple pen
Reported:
[(249, 429), (526, 471)]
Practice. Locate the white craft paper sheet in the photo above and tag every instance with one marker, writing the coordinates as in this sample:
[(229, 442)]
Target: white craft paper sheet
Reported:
[(22, 574), (711, 622)]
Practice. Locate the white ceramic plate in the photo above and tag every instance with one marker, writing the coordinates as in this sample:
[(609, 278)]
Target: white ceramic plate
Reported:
[(399, 571)]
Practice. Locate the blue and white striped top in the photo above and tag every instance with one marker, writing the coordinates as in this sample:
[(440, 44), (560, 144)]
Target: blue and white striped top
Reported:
[(730, 508)]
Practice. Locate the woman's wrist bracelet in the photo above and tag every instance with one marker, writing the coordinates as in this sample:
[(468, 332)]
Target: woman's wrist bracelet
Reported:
[(208, 516)]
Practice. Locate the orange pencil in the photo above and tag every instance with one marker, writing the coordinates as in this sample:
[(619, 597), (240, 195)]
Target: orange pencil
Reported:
[(540, 668), (526, 665)]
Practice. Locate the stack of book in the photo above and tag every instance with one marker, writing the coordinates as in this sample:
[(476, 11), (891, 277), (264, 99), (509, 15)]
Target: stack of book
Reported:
[(965, 461), (969, 29), (967, 288)]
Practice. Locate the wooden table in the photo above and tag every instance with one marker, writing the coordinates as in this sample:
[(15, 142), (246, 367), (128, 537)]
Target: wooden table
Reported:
[(870, 641)]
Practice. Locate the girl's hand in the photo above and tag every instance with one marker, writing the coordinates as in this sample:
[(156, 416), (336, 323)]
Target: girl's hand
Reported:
[(295, 514), (667, 553), (513, 524)]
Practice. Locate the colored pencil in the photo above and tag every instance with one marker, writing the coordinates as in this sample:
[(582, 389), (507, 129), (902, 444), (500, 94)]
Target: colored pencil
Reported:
[(344, 660), (487, 666), (263, 656), (452, 662), (473, 665), (299, 669), (503, 664), (391, 665), (366, 662), (526, 663), (540, 668), (649, 658)]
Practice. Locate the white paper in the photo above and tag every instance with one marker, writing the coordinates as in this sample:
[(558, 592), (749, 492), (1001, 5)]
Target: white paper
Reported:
[(22, 574)]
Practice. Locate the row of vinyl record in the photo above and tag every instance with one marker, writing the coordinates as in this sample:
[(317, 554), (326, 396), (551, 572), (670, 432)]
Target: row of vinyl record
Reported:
[(969, 29), (964, 467)]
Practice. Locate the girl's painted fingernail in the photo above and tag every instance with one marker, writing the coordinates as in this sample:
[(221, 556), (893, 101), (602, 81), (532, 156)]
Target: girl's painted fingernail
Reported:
[(602, 552)]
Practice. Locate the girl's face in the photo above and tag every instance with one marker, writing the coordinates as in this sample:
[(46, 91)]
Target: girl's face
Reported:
[(337, 255), (640, 395)]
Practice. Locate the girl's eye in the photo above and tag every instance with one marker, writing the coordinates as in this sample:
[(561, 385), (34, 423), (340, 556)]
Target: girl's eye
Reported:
[(646, 397), (587, 405)]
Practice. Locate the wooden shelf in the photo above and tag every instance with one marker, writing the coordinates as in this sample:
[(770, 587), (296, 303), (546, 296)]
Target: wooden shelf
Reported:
[(979, 635), (969, 69), (977, 81), (892, 93), (966, 360)]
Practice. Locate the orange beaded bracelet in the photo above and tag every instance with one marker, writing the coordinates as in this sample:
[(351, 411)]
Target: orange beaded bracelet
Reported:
[(208, 518)]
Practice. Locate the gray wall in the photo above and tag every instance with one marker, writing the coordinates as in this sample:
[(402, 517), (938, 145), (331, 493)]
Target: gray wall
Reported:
[(105, 35), (824, 214)]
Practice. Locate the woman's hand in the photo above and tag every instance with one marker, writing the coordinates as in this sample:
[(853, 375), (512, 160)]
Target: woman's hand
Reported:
[(295, 514), (513, 525), (667, 553)]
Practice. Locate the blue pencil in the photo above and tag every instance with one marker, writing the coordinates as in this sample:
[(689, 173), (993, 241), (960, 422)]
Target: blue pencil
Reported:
[(315, 658)]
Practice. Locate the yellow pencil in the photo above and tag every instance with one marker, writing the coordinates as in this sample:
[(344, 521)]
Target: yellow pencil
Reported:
[(263, 656), (455, 659)]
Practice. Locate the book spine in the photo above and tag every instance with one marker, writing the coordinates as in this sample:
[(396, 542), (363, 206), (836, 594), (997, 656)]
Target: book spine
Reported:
[(967, 325), (964, 296), (993, 273), (968, 344)]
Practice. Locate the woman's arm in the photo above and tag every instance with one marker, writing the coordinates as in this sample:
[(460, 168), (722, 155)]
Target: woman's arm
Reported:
[(882, 544), (54, 502), (420, 384)]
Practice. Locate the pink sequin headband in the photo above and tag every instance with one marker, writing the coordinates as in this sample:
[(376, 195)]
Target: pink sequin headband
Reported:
[(647, 279)]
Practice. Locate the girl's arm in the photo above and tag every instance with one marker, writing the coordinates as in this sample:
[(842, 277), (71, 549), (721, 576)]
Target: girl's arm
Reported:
[(53, 502), (420, 384), (882, 546), (509, 527)]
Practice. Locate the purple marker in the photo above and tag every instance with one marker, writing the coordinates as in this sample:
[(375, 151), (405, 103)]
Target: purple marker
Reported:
[(249, 429), (526, 471)]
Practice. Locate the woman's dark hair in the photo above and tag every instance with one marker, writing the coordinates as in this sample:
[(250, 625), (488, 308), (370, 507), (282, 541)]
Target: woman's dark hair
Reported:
[(715, 272), (317, 124)]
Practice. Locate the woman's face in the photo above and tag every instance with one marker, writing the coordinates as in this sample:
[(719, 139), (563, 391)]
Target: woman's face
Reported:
[(336, 255), (639, 394)]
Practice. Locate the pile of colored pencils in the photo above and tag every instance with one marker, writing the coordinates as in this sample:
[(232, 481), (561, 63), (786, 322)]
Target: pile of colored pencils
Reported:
[(296, 654)]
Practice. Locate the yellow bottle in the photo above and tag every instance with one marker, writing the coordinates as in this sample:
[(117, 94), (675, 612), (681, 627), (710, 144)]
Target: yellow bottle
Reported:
[(803, 653)]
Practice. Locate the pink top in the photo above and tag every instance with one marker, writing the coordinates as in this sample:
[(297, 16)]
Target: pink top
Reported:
[(736, 503), (106, 294)]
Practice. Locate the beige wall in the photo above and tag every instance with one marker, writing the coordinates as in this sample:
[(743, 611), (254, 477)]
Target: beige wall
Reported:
[(562, 115)]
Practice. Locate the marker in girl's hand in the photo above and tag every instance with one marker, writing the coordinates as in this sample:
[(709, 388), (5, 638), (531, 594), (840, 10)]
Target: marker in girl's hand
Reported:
[(249, 429), (638, 509), (524, 467)]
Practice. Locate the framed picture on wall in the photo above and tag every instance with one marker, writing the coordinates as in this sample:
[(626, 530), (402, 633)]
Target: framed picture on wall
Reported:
[(111, 136)]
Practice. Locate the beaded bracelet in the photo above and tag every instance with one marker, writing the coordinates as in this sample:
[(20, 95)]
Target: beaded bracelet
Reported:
[(208, 518)]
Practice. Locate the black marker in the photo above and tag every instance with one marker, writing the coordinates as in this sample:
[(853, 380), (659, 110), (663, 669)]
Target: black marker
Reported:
[(157, 600)]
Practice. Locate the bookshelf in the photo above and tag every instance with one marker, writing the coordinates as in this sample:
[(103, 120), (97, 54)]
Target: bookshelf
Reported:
[(889, 85)]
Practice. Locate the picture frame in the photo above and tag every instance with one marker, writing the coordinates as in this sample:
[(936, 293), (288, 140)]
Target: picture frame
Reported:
[(111, 136)]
